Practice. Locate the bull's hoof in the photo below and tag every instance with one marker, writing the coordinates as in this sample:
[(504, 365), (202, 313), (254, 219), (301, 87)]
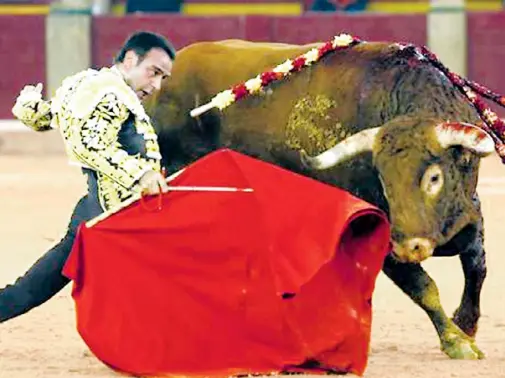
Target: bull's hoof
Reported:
[(461, 347), (468, 324)]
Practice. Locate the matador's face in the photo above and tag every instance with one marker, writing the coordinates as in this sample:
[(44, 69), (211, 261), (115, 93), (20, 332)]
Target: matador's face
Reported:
[(145, 74)]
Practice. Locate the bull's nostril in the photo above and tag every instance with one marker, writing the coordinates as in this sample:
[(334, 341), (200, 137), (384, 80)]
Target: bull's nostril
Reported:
[(420, 247), (413, 250)]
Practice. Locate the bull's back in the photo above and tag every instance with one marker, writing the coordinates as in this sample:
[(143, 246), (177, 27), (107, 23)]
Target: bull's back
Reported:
[(204, 69), (259, 46), (219, 65)]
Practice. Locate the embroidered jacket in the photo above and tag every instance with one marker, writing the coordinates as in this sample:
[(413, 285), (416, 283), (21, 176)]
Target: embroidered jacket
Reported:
[(105, 129)]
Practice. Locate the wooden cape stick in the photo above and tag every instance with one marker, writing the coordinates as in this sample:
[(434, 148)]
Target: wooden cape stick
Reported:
[(138, 196)]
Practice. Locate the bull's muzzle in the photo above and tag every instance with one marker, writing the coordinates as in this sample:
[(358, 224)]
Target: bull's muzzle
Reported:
[(414, 250)]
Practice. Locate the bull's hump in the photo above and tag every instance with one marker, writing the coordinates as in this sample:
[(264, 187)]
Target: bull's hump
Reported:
[(244, 44), (367, 51), (240, 47)]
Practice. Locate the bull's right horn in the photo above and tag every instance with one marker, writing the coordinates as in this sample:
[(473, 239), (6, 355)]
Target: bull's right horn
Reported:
[(344, 150), (467, 135)]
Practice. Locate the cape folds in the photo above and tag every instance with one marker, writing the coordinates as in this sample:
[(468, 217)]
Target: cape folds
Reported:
[(279, 279)]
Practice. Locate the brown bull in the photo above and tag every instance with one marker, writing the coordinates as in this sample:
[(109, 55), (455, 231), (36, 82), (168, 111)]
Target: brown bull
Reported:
[(376, 116)]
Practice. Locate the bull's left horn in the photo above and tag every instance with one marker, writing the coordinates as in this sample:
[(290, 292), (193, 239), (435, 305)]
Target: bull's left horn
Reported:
[(344, 150), (466, 135)]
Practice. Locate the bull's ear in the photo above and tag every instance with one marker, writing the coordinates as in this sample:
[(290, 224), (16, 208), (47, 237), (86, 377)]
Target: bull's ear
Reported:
[(466, 135)]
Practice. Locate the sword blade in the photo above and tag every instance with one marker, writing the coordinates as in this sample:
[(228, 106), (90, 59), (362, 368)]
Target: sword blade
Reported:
[(208, 189)]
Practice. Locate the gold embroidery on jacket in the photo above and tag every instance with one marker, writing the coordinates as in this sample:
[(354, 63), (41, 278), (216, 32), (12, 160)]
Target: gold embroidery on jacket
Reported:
[(89, 110)]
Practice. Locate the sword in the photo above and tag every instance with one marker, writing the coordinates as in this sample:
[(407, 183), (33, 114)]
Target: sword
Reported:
[(208, 189), (202, 188), (181, 188)]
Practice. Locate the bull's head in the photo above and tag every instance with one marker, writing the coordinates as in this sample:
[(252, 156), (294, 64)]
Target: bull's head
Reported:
[(428, 171)]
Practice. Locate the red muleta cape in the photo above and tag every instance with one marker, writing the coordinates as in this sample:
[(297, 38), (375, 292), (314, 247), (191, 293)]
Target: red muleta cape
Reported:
[(225, 283)]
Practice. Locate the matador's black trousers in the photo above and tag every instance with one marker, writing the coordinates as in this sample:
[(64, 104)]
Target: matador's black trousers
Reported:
[(45, 279)]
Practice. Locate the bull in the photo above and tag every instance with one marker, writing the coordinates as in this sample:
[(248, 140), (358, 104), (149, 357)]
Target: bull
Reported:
[(374, 120)]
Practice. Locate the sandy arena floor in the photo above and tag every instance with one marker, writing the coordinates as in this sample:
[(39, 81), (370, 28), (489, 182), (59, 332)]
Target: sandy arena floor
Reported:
[(44, 342)]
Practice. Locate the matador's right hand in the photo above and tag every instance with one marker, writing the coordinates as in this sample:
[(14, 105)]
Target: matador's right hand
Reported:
[(153, 182)]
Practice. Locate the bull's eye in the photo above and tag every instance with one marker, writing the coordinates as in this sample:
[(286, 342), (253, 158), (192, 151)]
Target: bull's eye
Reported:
[(432, 181)]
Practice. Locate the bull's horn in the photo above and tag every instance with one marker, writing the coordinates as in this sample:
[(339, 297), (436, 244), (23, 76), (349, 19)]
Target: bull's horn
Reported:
[(344, 150), (466, 135)]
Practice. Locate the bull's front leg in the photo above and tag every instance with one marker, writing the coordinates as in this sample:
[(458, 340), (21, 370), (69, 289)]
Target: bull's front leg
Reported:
[(474, 268), (473, 261), (420, 287)]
